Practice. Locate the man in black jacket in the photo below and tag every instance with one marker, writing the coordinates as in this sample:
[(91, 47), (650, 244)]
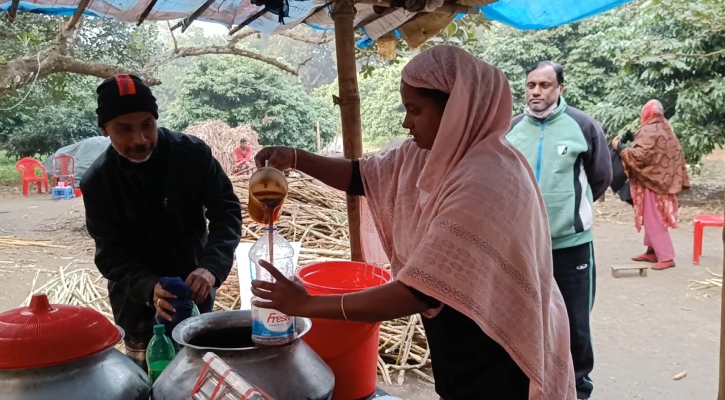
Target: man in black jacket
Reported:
[(146, 199)]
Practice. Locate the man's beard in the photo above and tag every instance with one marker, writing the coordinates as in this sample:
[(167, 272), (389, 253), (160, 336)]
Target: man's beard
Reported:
[(132, 150)]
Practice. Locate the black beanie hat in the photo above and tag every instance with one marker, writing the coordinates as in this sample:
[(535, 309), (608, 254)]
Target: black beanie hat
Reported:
[(124, 94)]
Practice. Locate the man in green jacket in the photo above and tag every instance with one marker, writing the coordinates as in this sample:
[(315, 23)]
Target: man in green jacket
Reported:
[(568, 151)]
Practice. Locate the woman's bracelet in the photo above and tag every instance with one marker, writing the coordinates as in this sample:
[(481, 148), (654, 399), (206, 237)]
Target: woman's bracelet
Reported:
[(342, 307)]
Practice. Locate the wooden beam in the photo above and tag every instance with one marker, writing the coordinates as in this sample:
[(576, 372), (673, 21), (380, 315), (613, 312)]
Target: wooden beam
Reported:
[(184, 23), (13, 10), (450, 8), (77, 14), (146, 12), (343, 14), (721, 385), (248, 21)]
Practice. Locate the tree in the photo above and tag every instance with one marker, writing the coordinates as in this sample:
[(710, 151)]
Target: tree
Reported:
[(674, 51), (241, 91), (59, 110), (58, 54), (671, 50), (381, 109)]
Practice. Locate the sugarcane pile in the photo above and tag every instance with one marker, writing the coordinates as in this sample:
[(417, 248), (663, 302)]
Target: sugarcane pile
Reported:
[(12, 241), (227, 296), (76, 287), (223, 139), (312, 214), (715, 281), (403, 347)]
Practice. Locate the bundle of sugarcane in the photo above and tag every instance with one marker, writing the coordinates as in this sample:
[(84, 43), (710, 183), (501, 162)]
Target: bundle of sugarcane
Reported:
[(78, 287), (12, 241), (403, 347), (707, 283), (223, 139), (314, 215)]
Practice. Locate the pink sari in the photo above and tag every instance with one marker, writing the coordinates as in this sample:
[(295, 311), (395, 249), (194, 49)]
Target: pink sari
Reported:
[(465, 222)]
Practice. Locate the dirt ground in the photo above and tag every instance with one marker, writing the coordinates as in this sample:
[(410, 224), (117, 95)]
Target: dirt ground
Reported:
[(646, 330)]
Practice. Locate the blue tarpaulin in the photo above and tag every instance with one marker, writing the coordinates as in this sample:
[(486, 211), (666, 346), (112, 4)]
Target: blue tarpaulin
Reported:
[(521, 14)]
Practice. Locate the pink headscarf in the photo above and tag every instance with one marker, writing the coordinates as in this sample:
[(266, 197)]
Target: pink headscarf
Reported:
[(466, 224), (651, 109)]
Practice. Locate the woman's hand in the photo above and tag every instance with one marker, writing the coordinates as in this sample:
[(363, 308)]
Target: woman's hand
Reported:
[(282, 158), (615, 142), (283, 295)]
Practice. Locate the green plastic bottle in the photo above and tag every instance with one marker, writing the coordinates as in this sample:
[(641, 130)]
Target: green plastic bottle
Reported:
[(159, 353)]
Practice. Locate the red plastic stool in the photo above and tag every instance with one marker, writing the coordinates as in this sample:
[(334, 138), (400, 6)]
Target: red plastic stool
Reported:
[(701, 221)]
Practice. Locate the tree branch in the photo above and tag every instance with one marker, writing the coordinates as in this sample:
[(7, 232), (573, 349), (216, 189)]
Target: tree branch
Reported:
[(22, 71), (318, 40), (714, 53), (157, 62), (58, 57)]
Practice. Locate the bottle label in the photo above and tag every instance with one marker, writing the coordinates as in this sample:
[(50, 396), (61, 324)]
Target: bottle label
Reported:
[(271, 323)]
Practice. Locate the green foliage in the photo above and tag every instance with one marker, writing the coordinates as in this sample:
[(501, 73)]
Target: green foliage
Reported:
[(381, 110), (241, 91), (8, 174), (60, 109), (671, 50)]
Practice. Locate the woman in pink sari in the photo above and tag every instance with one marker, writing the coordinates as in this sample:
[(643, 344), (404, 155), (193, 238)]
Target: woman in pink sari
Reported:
[(465, 229), (655, 166)]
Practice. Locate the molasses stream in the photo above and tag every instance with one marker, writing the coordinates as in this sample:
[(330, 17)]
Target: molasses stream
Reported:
[(267, 192)]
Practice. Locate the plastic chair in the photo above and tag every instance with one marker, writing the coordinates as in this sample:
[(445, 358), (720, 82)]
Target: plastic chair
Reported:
[(64, 167), (701, 221), (27, 167)]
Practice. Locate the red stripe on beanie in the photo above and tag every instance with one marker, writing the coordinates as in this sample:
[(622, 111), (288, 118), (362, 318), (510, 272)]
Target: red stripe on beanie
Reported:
[(126, 86)]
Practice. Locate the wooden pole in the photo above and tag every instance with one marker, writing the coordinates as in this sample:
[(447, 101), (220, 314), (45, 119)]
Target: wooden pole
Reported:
[(343, 13), (721, 385), (319, 140)]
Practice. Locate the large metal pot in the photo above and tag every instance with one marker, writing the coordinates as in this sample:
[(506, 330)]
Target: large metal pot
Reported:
[(292, 372), (64, 352), (109, 375)]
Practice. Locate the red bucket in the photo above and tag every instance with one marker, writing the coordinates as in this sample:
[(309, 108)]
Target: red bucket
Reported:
[(349, 348)]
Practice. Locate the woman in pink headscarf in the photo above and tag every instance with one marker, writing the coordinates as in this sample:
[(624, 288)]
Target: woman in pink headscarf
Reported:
[(465, 229), (655, 166)]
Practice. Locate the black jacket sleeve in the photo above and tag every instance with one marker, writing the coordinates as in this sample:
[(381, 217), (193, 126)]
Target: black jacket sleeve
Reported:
[(598, 160), (224, 213), (111, 250)]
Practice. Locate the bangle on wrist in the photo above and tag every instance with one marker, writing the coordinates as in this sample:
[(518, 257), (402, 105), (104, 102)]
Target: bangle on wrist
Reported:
[(342, 307)]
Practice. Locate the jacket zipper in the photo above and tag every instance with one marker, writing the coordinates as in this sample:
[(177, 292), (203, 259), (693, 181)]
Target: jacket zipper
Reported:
[(541, 152)]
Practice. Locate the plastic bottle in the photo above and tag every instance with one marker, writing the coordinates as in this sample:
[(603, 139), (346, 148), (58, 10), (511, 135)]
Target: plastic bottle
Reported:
[(159, 353), (271, 327)]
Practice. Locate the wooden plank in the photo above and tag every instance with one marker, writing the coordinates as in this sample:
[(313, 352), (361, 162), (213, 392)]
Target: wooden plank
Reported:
[(343, 14), (629, 267)]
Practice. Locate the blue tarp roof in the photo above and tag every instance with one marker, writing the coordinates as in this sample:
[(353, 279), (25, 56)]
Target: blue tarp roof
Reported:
[(521, 14)]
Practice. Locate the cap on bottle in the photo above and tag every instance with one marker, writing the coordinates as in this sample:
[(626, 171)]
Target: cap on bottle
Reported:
[(159, 329)]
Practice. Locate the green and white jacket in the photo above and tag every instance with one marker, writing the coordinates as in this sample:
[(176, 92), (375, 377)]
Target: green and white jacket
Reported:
[(569, 154)]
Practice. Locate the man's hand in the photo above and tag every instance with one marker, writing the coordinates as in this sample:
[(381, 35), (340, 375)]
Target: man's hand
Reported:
[(200, 282), (162, 306)]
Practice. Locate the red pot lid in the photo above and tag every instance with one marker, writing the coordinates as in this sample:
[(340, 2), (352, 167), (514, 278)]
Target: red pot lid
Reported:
[(42, 334)]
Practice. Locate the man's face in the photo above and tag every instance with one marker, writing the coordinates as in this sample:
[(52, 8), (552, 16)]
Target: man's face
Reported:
[(542, 89), (133, 135)]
